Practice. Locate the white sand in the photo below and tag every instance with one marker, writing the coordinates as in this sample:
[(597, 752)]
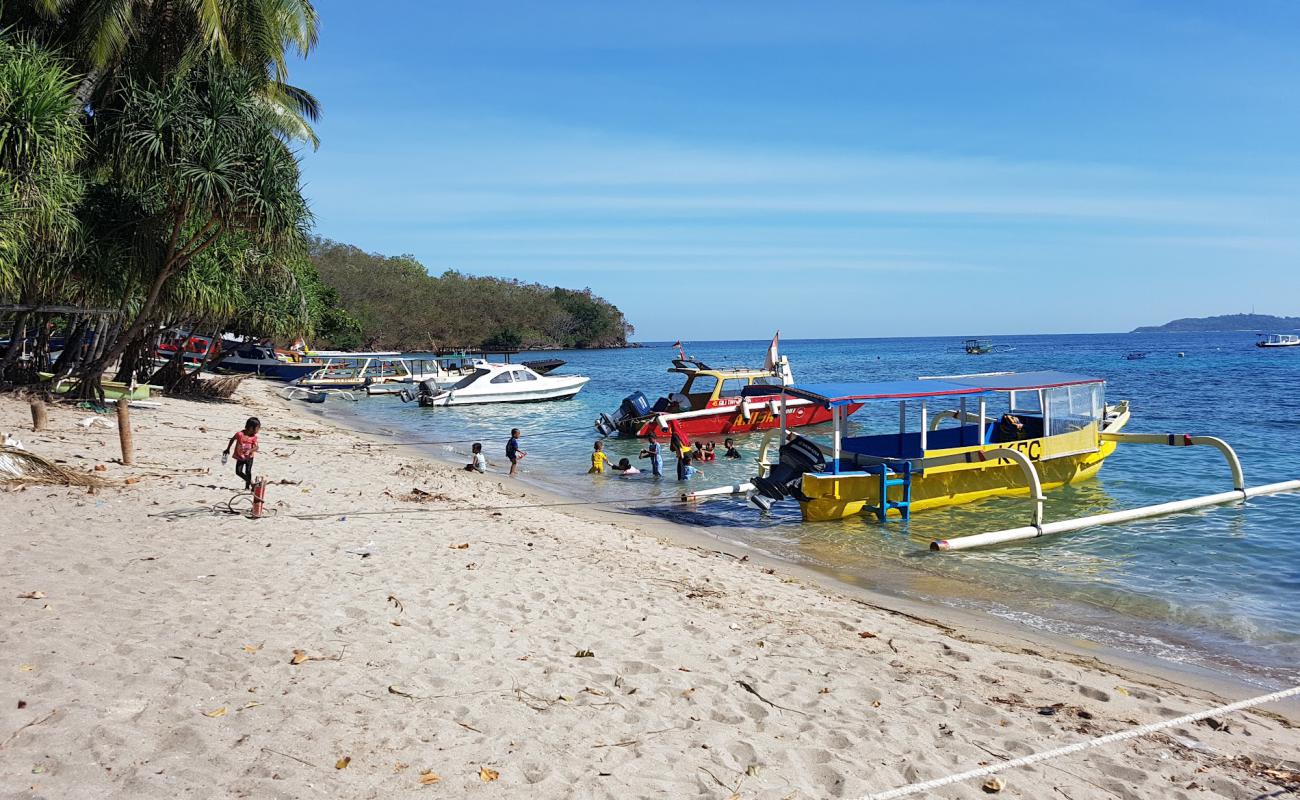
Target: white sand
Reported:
[(147, 622)]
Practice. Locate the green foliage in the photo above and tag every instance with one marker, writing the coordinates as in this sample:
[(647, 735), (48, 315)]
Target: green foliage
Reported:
[(399, 305), (42, 143)]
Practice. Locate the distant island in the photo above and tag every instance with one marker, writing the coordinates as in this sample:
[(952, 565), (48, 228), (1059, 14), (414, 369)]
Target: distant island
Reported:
[(1225, 322)]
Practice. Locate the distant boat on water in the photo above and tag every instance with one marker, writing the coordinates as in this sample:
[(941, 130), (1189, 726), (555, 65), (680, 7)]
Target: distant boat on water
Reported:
[(1278, 340)]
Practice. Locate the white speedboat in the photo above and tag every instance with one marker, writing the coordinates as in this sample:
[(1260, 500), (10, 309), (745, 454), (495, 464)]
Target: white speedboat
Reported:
[(502, 383), (1278, 340)]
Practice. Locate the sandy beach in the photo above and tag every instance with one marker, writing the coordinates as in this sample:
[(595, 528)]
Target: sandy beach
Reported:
[(398, 627)]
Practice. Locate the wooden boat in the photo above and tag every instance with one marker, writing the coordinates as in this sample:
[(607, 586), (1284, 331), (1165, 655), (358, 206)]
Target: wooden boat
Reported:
[(1278, 340), (1055, 419), (977, 347), (1136, 355), (715, 402), (113, 390)]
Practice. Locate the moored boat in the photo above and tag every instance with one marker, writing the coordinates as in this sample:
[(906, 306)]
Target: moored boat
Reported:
[(360, 370), (501, 383), (716, 402), (1278, 340), (265, 361)]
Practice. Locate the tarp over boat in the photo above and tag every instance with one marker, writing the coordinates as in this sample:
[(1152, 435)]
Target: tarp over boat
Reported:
[(839, 394)]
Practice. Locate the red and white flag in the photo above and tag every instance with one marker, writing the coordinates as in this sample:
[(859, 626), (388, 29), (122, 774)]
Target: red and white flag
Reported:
[(772, 356)]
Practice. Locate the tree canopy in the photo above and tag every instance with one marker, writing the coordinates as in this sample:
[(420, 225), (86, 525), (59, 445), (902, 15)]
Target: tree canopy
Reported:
[(399, 304)]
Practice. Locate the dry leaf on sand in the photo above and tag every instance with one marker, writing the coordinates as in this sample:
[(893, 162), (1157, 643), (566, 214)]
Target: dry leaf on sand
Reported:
[(866, 635), (343, 762), (26, 667), (399, 692), (993, 785), (31, 595), (488, 775), (461, 546), (429, 776), (299, 656), (216, 712), (584, 654), (252, 648)]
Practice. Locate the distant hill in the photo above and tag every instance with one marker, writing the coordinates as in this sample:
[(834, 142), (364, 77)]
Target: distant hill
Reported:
[(1225, 322)]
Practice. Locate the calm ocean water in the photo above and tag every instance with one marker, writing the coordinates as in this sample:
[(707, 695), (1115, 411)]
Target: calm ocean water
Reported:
[(1216, 589)]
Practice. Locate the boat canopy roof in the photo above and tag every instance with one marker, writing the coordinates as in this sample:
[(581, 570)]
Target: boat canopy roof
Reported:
[(1018, 381), (839, 394)]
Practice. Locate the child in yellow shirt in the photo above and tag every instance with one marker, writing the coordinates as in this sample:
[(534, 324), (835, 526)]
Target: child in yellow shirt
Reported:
[(598, 458)]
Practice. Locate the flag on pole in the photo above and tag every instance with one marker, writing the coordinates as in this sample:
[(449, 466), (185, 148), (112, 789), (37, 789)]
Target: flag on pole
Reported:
[(772, 356)]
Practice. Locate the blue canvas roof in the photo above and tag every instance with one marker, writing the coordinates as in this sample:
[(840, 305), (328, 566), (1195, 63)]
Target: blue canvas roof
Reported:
[(1017, 381), (838, 394)]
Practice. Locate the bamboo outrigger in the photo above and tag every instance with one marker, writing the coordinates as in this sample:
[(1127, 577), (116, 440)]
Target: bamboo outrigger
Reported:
[(1016, 434)]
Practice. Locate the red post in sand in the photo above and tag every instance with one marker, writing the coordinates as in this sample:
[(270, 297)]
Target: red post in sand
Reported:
[(259, 496)]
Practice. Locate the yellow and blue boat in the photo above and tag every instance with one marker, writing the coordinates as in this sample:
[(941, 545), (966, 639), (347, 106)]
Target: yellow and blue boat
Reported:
[(959, 439)]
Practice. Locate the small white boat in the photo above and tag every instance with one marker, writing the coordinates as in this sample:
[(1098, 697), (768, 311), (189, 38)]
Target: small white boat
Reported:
[(1278, 340), (361, 370), (502, 383)]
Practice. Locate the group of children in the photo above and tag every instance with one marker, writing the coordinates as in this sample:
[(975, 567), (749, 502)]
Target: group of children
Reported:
[(699, 453), (244, 444)]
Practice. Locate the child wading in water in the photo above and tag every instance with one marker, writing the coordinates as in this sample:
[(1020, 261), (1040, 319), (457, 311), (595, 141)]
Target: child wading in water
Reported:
[(598, 458), (245, 444)]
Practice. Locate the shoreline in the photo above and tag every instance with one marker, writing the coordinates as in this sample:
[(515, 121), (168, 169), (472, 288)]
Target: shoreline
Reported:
[(996, 631), (406, 619)]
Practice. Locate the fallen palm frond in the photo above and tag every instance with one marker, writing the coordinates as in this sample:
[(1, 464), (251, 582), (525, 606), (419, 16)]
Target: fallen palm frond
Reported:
[(22, 466), (219, 388)]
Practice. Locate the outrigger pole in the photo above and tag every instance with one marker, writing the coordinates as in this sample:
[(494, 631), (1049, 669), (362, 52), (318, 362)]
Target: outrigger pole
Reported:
[(1040, 528)]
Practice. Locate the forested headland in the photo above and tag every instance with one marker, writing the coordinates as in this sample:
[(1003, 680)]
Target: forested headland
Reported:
[(397, 304), (149, 180)]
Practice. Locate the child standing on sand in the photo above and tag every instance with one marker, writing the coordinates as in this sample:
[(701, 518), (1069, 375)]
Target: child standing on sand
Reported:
[(245, 444), (512, 450), (598, 458)]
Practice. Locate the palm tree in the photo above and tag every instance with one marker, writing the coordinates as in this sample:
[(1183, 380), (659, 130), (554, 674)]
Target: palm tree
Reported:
[(112, 41)]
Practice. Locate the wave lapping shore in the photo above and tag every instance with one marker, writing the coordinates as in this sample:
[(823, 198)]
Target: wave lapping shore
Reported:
[(398, 627)]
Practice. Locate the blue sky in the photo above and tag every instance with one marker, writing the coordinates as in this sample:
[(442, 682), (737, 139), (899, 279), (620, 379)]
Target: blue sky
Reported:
[(722, 169)]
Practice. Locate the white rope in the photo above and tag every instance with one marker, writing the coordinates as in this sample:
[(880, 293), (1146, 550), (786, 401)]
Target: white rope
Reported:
[(1033, 758)]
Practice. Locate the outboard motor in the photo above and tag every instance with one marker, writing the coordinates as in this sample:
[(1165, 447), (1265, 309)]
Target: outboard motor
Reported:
[(796, 457), (634, 406)]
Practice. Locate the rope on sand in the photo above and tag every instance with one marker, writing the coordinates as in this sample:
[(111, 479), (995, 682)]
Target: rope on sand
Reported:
[(1033, 758)]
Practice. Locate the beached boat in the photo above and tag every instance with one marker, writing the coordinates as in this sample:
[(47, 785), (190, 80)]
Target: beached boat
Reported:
[(1278, 340), (715, 402), (266, 361), (501, 383), (113, 390)]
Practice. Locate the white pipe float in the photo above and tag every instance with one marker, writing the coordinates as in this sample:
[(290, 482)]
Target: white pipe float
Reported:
[(735, 488), (1045, 529), (1039, 528)]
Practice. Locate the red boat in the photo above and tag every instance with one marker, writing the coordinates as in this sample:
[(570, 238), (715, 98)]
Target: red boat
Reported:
[(710, 404)]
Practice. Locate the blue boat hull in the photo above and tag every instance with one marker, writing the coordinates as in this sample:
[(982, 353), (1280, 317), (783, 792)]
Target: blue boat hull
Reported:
[(280, 372)]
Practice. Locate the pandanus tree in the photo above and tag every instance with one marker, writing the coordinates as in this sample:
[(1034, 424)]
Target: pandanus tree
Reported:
[(42, 144), (204, 159)]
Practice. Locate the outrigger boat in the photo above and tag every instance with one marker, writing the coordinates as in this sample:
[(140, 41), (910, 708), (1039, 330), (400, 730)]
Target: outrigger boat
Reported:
[(1015, 434), (360, 370), (716, 402), (977, 347)]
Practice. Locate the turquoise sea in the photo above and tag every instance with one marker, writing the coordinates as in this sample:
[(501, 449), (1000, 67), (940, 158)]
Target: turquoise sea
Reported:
[(1215, 589)]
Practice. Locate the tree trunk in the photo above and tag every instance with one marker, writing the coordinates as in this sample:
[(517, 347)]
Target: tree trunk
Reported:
[(69, 358), (17, 336)]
